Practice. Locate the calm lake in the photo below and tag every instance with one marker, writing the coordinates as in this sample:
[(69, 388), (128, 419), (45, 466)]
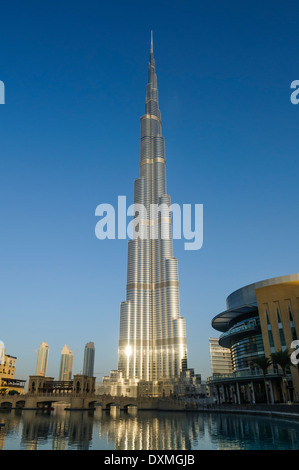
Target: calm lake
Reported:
[(144, 430)]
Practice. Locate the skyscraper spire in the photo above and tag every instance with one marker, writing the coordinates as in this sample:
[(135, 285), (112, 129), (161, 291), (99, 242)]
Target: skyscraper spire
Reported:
[(152, 337), (152, 105), (152, 43)]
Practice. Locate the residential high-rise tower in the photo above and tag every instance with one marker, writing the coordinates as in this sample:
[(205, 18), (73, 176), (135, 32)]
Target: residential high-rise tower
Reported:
[(42, 359), (88, 362), (66, 364)]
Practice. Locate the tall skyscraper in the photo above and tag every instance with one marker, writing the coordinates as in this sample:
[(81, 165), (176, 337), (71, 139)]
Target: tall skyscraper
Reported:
[(88, 362), (152, 337), (66, 364), (42, 359)]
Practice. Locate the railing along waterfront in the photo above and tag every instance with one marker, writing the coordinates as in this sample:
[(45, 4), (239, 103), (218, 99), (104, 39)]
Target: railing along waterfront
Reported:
[(51, 394), (244, 374)]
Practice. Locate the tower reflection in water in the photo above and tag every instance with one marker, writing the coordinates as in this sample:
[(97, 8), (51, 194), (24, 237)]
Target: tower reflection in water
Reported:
[(145, 430), (65, 429)]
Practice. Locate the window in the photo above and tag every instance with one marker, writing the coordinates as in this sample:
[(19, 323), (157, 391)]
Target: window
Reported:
[(293, 329), (278, 316), (271, 340), (281, 332), (270, 334)]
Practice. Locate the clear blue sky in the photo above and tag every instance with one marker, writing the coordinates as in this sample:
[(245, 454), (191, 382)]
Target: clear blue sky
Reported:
[(75, 74)]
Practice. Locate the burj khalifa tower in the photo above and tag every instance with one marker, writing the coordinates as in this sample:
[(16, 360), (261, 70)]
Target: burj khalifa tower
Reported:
[(152, 335)]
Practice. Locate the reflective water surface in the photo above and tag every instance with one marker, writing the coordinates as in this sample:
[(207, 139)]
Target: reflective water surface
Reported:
[(144, 430)]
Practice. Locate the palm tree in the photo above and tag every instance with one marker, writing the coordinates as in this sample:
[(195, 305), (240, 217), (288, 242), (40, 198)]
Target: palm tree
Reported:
[(263, 363), (283, 359)]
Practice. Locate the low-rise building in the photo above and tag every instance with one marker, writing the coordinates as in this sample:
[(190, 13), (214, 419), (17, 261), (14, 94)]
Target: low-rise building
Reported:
[(8, 383)]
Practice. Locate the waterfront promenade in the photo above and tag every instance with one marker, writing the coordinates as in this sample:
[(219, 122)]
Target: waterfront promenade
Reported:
[(279, 410), (74, 402)]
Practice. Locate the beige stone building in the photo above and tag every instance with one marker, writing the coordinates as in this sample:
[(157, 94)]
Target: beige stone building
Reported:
[(278, 307), (8, 382)]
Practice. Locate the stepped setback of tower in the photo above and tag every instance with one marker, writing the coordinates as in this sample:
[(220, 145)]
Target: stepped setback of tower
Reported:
[(152, 336)]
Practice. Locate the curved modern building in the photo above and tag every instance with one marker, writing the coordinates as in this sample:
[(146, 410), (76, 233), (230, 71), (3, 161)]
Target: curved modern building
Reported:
[(260, 319)]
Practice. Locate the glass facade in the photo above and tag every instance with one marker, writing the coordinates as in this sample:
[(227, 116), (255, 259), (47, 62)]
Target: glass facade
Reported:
[(245, 351), (66, 364), (260, 319), (42, 359), (244, 339), (88, 362), (270, 334), (293, 329), (281, 332)]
